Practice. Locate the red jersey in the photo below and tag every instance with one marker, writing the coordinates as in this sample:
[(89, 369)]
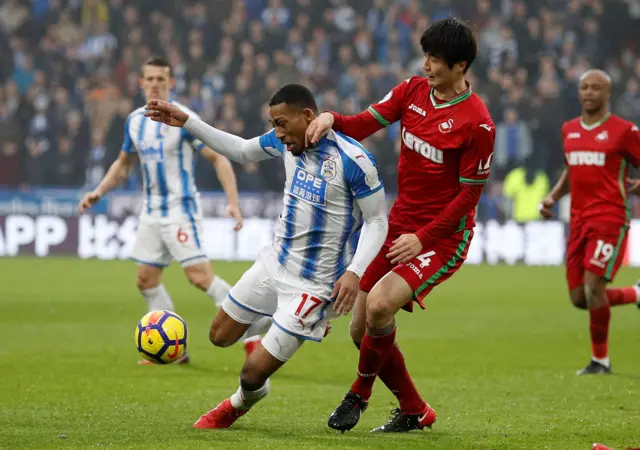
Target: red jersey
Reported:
[(444, 144), (597, 157)]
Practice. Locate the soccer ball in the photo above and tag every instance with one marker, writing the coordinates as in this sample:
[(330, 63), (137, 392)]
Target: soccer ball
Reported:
[(161, 337)]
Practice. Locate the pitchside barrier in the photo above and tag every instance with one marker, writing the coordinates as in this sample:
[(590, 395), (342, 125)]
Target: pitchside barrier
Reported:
[(45, 223)]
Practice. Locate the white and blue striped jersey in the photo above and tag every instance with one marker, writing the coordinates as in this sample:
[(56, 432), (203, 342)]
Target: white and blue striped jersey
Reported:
[(319, 228), (167, 156)]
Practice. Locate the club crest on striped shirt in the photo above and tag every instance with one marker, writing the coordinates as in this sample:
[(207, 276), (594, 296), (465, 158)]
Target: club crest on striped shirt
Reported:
[(329, 169)]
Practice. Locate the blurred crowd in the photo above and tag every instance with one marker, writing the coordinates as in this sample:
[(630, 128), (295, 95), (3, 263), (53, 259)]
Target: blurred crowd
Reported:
[(69, 76)]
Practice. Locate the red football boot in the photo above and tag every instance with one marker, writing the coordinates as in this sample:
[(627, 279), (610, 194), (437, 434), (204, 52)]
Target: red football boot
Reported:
[(223, 416)]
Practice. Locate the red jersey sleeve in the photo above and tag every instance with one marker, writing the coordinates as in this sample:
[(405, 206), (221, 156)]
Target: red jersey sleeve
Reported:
[(390, 108), (475, 161), (376, 117), (632, 145)]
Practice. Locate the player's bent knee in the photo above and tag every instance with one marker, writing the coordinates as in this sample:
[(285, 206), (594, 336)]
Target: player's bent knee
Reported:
[(199, 277), (221, 339), (378, 308)]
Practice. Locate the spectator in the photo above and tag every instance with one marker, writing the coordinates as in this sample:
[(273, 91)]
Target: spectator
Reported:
[(65, 168), (513, 145), (10, 165), (69, 72)]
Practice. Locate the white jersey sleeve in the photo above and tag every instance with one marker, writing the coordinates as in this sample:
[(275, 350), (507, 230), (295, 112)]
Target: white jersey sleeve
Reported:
[(374, 231), (234, 147)]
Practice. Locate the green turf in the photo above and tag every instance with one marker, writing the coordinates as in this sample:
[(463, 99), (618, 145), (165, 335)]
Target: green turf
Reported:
[(495, 353)]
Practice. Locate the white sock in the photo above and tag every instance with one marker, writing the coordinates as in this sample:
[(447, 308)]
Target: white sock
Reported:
[(256, 329), (218, 290), (157, 298), (604, 361), (637, 289), (246, 399)]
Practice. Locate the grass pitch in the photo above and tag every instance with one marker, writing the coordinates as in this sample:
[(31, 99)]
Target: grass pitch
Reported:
[(495, 354)]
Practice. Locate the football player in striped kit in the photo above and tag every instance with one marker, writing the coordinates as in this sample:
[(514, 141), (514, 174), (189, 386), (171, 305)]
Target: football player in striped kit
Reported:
[(333, 223), (170, 221)]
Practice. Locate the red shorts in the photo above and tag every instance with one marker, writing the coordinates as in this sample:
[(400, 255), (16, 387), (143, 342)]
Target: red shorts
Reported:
[(597, 247), (425, 271)]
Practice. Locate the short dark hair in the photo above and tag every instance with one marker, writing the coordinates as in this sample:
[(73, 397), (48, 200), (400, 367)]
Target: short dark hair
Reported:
[(295, 95), (452, 40), (157, 61)]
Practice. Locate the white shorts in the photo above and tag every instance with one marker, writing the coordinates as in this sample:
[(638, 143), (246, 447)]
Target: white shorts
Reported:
[(160, 240), (299, 307)]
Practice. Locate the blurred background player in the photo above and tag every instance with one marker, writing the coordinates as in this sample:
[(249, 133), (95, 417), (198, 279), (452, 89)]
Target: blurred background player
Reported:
[(331, 191), (598, 148), (169, 226), (447, 143)]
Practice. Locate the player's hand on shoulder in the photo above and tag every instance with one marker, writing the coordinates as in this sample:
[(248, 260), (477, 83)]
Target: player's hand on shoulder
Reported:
[(345, 292), (318, 128), (234, 212), (546, 207), (89, 199), (404, 249), (165, 112)]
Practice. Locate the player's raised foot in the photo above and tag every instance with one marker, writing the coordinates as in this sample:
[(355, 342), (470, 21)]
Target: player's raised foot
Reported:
[(401, 422), (222, 416), (347, 414), (251, 344), (184, 359), (595, 368)]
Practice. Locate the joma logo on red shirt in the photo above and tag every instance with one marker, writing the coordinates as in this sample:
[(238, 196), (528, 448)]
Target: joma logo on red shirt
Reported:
[(424, 148), (586, 158)]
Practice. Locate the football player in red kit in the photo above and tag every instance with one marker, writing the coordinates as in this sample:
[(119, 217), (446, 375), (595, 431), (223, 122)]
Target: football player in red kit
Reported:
[(447, 143), (598, 147)]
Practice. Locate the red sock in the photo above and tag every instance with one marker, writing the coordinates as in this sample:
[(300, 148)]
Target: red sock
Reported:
[(373, 352), (599, 326), (394, 375), (621, 296)]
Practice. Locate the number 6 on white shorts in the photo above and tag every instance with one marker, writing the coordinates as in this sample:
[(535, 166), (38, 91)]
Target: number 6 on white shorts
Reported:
[(425, 259)]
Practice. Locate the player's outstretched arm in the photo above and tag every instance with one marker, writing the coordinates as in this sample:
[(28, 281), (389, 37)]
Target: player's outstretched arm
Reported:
[(560, 189), (233, 147), (117, 173), (227, 178)]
